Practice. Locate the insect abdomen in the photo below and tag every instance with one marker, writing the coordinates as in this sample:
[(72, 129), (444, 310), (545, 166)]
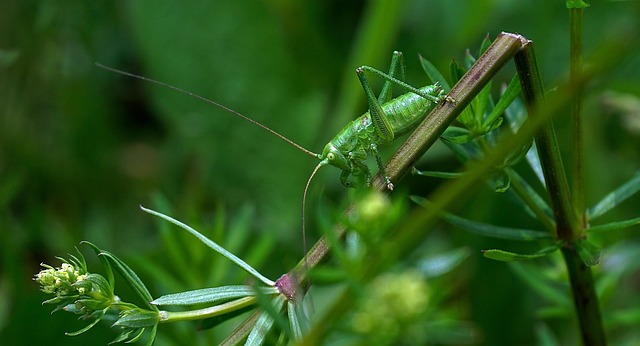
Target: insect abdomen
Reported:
[(406, 111)]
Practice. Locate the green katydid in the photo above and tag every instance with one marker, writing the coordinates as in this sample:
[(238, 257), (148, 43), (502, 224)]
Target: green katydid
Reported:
[(386, 119)]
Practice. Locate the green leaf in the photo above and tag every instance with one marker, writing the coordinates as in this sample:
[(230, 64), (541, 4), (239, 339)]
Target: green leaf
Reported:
[(152, 335), (445, 175), (138, 318), (484, 45), (511, 92), (577, 4), (213, 245), (78, 332), (507, 256), (487, 229), (434, 75), (241, 332), (263, 325), (534, 199), (131, 278), (210, 295), (479, 107), (456, 71), (441, 264), (294, 320), (616, 197), (456, 135), (613, 226), (588, 251), (105, 264), (127, 274)]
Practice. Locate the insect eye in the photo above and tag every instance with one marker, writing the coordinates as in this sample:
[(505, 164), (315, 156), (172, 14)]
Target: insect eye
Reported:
[(330, 156)]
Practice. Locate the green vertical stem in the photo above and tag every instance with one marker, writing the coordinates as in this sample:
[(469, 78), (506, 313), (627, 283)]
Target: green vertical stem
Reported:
[(575, 69), (552, 167), (567, 225)]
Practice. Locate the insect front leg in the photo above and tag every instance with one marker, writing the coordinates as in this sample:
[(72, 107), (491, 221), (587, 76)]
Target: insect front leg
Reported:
[(374, 151), (357, 168)]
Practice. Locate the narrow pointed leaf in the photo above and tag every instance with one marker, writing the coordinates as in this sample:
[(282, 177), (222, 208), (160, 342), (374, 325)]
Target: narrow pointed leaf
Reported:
[(294, 321), (210, 295), (511, 92), (588, 251), (487, 229), (131, 278), (217, 248), (78, 332), (506, 256), (139, 319), (484, 45), (445, 175), (152, 335), (434, 75), (535, 200), (137, 337), (577, 4), (616, 197), (614, 226), (263, 325), (456, 71), (105, 264), (456, 135), (241, 332)]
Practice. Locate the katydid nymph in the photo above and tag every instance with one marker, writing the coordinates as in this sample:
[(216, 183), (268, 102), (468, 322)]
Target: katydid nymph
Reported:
[(386, 119)]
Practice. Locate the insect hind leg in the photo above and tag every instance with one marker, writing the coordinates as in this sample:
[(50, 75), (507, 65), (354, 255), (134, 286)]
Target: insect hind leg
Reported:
[(398, 82), (397, 69)]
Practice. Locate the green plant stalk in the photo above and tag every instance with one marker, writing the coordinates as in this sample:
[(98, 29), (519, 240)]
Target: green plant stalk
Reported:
[(552, 167), (575, 68), (522, 193), (567, 225), (428, 132), (199, 314)]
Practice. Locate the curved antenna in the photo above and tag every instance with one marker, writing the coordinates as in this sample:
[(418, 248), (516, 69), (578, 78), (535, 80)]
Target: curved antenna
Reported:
[(308, 152), (304, 203)]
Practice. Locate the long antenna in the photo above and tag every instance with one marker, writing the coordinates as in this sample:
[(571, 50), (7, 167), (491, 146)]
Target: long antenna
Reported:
[(304, 203), (308, 152)]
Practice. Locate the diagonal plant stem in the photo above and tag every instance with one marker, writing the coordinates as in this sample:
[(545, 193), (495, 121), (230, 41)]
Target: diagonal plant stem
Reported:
[(428, 132)]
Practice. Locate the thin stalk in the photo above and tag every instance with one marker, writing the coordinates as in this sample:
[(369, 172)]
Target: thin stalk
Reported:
[(546, 142), (575, 69), (522, 192), (567, 225), (199, 314)]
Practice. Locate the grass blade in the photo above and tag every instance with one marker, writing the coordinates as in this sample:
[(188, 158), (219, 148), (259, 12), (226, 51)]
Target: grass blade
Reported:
[(616, 197), (217, 248)]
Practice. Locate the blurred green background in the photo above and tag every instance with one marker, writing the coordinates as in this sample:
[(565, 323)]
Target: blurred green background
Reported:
[(81, 147)]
